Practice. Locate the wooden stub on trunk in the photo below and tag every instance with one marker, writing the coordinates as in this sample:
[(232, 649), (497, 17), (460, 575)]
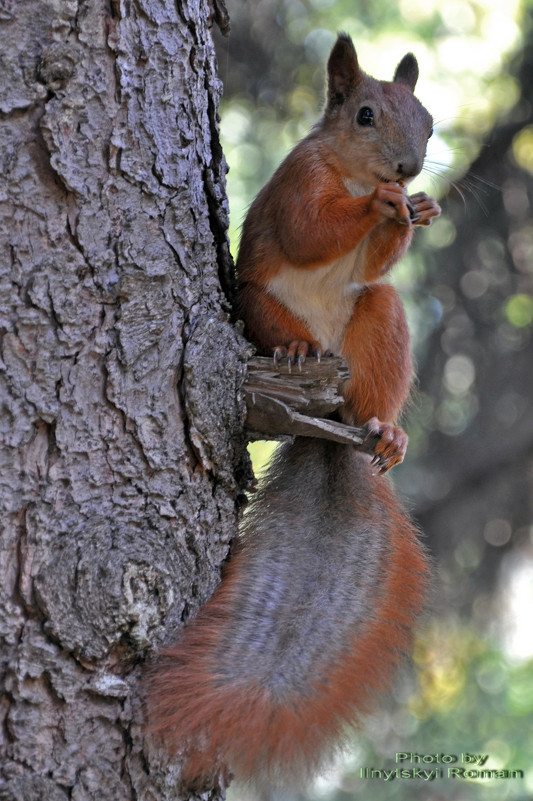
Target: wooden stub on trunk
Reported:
[(296, 403)]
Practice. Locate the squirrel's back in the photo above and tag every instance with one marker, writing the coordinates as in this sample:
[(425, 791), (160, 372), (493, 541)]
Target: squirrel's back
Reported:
[(304, 628)]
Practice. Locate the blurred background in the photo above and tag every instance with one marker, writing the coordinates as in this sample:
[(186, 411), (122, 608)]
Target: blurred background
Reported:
[(467, 284)]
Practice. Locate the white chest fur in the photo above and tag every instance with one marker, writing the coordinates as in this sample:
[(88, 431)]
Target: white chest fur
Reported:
[(323, 297)]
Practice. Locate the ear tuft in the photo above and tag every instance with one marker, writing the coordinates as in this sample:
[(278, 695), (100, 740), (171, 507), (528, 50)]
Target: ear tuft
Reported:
[(343, 71), (407, 72)]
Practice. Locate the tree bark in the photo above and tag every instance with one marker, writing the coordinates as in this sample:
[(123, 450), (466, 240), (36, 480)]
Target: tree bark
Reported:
[(123, 458)]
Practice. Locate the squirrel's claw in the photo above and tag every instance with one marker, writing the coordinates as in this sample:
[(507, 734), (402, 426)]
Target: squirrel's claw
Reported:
[(279, 353), (297, 351)]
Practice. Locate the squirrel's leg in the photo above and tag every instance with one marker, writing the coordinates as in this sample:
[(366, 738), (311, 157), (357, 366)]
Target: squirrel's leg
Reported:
[(273, 328), (388, 241), (385, 246), (376, 347)]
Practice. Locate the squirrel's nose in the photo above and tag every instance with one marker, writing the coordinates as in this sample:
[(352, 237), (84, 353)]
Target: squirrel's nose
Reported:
[(408, 167)]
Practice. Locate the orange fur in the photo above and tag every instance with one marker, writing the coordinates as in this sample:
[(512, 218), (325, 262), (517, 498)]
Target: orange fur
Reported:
[(317, 604), (275, 229), (387, 243), (273, 323), (376, 347)]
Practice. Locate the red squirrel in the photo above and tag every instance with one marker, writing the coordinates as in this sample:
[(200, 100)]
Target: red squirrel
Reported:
[(318, 601)]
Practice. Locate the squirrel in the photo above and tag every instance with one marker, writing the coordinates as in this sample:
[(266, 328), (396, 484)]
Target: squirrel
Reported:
[(318, 601)]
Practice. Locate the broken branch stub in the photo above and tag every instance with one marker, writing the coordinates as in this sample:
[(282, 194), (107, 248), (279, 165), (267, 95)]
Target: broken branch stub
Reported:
[(296, 402)]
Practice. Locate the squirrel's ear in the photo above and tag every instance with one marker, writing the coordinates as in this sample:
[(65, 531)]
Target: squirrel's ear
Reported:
[(343, 70), (407, 72)]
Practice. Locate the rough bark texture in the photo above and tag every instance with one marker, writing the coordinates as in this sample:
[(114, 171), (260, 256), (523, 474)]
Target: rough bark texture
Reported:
[(122, 407)]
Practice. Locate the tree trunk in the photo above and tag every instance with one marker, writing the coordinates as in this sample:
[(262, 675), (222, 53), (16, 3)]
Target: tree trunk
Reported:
[(122, 402)]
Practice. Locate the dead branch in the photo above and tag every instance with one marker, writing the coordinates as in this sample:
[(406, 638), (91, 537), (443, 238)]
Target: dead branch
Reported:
[(284, 403)]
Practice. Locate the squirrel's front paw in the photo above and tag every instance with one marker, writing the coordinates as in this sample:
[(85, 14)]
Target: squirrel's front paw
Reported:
[(391, 201), (424, 209), (297, 350), (386, 442)]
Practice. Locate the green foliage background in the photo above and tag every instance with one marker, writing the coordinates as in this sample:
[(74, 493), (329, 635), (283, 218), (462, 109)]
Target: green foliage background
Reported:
[(471, 686)]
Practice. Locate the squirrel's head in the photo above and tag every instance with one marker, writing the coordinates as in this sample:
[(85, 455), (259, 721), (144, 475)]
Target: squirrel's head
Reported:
[(379, 127)]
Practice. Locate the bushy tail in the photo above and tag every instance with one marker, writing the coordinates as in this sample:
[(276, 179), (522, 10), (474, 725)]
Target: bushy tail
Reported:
[(313, 614)]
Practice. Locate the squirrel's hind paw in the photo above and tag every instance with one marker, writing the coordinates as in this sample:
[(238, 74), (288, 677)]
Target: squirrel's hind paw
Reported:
[(298, 350), (386, 442)]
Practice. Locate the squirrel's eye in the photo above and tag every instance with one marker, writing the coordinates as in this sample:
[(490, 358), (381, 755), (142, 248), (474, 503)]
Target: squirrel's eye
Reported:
[(430, 133), (365, 116)]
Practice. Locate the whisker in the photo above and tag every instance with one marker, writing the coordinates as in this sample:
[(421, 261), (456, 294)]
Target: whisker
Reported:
[(461, 195), (475, 177), (437, 123), (438, 173)]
